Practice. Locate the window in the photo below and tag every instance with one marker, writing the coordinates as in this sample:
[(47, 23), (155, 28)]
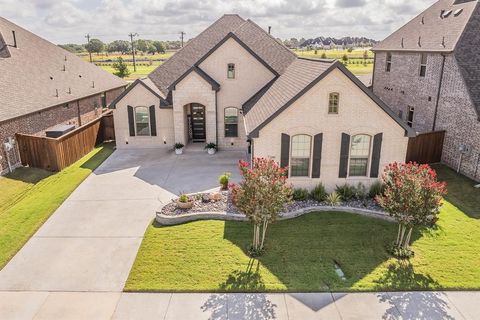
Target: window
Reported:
[(231, 71), (300, 157), (104, 99), (142, 121), (423, 65), (231, 122), (333, 102), (411, 110), (359, 155), (389, 62)]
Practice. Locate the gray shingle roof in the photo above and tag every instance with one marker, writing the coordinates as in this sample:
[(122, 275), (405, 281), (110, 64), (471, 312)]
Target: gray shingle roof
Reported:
[(297, 79), (196, 48), (273, 53), (431, 31), (30, 77)]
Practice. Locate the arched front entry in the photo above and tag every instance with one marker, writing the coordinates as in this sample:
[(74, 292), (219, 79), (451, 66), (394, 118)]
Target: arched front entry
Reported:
[(196, 122)]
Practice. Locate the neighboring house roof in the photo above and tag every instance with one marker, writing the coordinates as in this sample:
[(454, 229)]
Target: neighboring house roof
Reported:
[(149, 85), (263, 46), (33, 72), (299, 77), (437, 29)]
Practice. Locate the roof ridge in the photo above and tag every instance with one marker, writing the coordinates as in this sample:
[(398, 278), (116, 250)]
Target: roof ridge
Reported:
[(268, 34), (317, 59)]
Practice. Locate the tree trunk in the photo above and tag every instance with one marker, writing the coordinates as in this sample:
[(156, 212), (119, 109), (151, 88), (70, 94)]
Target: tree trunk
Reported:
[(406, 243), (264, 231)]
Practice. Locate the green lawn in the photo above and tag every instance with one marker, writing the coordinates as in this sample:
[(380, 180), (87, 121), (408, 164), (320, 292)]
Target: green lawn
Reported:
[(209, 255), (30, 196), (142, 71)]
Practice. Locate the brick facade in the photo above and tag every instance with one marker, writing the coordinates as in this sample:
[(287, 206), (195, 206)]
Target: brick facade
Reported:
[(83, 110), (403, 87)]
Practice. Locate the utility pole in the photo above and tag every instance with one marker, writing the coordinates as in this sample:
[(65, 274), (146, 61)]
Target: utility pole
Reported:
[(181, 36), (131, 35), (88, 43)]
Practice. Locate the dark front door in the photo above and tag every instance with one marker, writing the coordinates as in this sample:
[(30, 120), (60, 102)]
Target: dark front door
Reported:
[(198, 122)]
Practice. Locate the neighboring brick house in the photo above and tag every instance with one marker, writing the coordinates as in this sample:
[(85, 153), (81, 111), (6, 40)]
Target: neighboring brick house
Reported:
[(238, 87), (428, 72), (42, 85)]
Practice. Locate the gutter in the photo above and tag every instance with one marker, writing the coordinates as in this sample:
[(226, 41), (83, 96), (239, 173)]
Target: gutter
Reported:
[(438, 93)]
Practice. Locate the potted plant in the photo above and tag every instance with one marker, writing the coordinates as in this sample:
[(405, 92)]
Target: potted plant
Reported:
[(224, 179), (211, 148), (179, 148), (184, 201)]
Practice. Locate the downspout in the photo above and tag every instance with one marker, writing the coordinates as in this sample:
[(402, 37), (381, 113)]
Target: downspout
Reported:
[(216, 119), (78, 111), (438, 93)]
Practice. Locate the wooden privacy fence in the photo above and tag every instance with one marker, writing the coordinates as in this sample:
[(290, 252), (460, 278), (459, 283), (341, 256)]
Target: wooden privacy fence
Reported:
[(426, 147), (54, 154)]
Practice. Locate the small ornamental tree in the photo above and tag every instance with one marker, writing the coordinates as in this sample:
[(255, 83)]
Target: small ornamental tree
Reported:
[(413, 197), (261, 196), (121, 68)]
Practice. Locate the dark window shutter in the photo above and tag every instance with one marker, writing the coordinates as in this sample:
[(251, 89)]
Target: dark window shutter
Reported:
[(377, 150), (153, 122), (317, 155), (343, 167), (131, 121), (285, 150)]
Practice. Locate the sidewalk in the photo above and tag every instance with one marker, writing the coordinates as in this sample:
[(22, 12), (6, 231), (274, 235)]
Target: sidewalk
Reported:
[(184, 306)]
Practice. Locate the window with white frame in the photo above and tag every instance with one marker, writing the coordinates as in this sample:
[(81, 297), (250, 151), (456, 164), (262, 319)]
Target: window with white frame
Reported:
[(231, 122), (333, 101), (423, 65), (359, 155), (389, 62), (142, 121), (300, 155), (231, 71)]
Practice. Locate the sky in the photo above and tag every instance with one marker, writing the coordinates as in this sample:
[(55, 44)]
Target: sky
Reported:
[(68, 21)]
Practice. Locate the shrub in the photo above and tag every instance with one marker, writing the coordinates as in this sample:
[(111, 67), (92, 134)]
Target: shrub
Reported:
[(300, 194), (183, 198), (179, 145), (318, 193), (224, 179), (346, 192), (361, 192), (211, 145), (333, 199), (376, 189)]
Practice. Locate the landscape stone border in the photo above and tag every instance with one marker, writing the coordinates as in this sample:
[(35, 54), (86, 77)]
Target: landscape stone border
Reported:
[(169, 220)]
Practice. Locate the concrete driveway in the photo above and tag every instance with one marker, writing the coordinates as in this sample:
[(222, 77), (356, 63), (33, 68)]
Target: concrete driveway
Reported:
[(90, 242)]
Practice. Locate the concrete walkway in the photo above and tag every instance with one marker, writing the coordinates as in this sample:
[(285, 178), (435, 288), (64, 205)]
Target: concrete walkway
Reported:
[(185, 306)]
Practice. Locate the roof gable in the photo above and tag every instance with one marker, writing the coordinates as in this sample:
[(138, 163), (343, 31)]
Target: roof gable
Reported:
[(148, 84), (437, 29), (298, 79), (201, 73)]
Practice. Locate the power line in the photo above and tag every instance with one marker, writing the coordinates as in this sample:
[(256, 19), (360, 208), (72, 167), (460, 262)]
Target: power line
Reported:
[(131, 35)]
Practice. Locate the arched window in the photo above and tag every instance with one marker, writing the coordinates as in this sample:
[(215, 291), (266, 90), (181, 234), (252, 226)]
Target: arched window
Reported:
[(300, 155), (231, 71), (333, 101), (142, 121), (359, 155), (231, 122)]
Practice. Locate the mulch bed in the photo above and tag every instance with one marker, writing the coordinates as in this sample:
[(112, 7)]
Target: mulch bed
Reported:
[(202, 203)]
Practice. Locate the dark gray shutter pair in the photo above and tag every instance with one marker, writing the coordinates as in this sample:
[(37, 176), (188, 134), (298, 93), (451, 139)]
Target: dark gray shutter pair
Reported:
[(344, 150), (131, 121), (317, 153)]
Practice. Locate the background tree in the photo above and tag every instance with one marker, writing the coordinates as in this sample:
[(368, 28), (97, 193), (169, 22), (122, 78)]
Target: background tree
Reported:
[(72, 47), (95, 45), (159, 46), (412, 196), (365, 57), (324, 55), (142, 45), (345, 59), (121, 46), (261, 196), (121, 67)]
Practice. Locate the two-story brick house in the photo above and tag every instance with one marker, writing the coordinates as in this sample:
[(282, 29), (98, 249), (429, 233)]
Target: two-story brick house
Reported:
[(428, 72), (237, 86)]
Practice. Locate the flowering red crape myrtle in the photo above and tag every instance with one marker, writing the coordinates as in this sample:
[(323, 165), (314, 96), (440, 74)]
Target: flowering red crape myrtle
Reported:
[(262, 194), (412, 196)]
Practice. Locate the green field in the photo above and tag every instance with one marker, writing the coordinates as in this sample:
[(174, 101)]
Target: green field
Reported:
[(210, 255), (29, 196), (142, 70)]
